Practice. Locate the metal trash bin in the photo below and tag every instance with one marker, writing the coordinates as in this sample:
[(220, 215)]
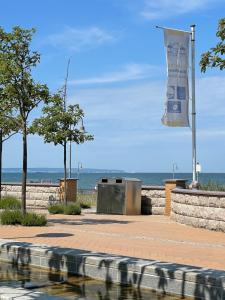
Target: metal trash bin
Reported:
[(120, 196)]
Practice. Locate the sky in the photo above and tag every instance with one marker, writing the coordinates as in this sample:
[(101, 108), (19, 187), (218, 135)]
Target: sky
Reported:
[(117, 74)]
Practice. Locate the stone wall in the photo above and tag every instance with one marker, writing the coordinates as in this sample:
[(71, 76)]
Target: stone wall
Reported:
[(152, 200), (199, 208), (39, 195)]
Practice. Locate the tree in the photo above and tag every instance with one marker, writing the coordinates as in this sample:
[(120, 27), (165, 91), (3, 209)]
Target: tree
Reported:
[(215, 56), (9, 125), (59, 126), (20, 89)]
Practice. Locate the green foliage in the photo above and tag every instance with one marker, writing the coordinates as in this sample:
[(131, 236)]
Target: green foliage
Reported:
[(85, 204), (10, 202), (18, 89), (9, 124), (33, 219), (14, 217), (56, 209), (215, 56), (212, 186), (58, 125), (72, 209), (69, 209), (11, 217)]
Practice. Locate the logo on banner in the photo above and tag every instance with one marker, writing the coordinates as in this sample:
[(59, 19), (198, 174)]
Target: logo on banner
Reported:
[(174, 107)]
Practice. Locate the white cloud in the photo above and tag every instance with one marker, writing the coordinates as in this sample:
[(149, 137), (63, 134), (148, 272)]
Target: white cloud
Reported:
[(122, 104), (132, 114), (161, 9), (77, 39), (126, 123), (126, 73)]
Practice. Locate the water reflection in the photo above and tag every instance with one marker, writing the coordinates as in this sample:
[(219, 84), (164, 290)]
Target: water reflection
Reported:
[(70, 287)]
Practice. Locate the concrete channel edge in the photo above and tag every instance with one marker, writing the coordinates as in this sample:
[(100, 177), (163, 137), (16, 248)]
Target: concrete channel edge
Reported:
[(183, 280)]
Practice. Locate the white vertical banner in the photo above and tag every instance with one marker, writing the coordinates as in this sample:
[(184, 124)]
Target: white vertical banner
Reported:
[(177, 94)]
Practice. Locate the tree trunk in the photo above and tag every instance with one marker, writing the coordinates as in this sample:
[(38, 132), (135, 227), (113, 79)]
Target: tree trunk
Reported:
[(65, 174), (24, 175), (1, 142)]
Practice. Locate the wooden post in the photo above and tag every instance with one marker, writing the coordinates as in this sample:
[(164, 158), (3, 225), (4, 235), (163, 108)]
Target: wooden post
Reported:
[(171, 184)]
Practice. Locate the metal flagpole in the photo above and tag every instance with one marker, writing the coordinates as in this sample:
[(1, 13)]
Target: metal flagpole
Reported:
[(65, 108), (194, 161)]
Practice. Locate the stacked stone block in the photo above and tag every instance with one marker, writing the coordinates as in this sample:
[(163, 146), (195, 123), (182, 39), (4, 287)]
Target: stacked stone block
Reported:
[(199, 208), (153, 200), (38, 195)]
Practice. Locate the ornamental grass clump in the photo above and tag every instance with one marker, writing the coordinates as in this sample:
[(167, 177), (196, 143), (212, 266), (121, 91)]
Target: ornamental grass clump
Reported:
[(15, 217), (66, 209), (85, 204), (72, 209), (56, 209), (11, 217), (212, 186), (33, 219), (10, 202)]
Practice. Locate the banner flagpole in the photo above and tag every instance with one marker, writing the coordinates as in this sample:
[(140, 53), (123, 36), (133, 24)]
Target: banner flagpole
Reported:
[(194, 161)]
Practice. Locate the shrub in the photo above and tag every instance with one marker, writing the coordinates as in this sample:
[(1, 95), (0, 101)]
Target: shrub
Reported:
[(69, 209), (85, 203), (72, 209), (56, 209), (33, 219), (11, 217), (10, 202)]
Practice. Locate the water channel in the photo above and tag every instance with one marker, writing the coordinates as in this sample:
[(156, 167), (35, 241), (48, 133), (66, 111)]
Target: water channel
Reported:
[(53, 285)]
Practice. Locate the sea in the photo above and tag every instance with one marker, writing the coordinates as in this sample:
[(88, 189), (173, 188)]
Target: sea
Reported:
[(88, 180)]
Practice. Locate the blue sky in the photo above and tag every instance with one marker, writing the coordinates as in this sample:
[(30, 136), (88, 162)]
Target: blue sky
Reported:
[(117, 75)]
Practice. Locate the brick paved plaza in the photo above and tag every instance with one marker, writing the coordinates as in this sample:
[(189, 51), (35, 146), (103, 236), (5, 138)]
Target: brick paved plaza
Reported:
[(150, 237)]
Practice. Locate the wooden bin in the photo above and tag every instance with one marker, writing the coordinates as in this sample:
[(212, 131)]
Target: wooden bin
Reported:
[(71, 184)]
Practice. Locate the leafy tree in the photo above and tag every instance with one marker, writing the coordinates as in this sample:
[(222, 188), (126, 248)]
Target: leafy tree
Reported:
[(20, 90), (9, 125), (59, 126), (215, 56)]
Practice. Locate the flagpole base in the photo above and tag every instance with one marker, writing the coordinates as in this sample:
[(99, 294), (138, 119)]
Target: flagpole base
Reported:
[(194, 185)]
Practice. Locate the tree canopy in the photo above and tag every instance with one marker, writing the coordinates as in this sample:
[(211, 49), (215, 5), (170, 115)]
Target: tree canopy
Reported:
[(214, 58), (19, 91), (58, 125)]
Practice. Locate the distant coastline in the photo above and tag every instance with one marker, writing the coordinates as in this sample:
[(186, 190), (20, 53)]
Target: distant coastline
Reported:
[(60, 170), (88, 178)]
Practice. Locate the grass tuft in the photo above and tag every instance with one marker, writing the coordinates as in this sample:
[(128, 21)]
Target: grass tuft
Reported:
[(212, 186), (85, 203), (72, 209), (11, 217), (15, 217), (33, 219), (10, 202), (56, 209), (69, 209)]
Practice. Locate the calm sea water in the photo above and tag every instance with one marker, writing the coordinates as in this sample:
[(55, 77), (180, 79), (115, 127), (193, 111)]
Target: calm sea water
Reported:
[(89, 180)]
